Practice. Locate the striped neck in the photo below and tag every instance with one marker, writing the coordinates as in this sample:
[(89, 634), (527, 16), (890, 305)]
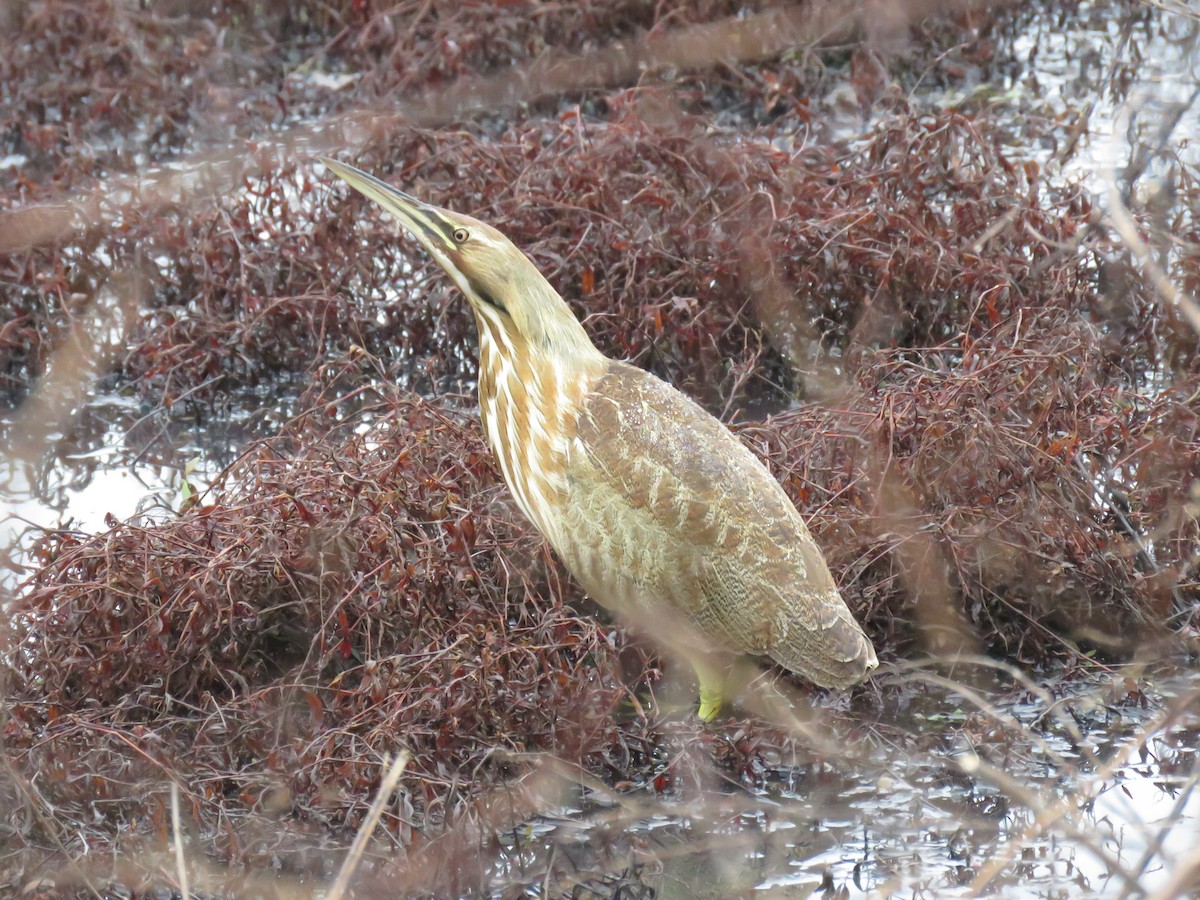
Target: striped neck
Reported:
[(529, 403)]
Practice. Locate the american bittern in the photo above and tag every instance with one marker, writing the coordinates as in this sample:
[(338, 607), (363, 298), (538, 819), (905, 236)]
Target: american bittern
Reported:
[(654, 506)]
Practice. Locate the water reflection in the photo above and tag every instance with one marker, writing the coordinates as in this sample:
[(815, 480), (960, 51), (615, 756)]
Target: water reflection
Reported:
[(902, 815), (117, 457)]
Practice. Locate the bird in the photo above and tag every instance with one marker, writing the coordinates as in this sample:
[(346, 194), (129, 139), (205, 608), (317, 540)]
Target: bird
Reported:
[(658, 511)]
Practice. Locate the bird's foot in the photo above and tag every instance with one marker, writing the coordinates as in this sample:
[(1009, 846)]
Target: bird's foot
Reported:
[(712, 695)]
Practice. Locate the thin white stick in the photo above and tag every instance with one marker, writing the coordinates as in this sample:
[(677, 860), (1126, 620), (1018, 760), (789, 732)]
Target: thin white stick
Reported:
[(177, 840), (368, 826)]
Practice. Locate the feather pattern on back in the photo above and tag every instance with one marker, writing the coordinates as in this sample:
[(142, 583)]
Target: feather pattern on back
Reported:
[(672, 517)]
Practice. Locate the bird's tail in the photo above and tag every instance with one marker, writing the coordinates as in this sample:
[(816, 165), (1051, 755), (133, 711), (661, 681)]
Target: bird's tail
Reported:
[(835, 654)]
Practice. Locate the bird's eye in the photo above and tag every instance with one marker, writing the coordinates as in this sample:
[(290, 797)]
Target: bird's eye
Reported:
[(461, 235)]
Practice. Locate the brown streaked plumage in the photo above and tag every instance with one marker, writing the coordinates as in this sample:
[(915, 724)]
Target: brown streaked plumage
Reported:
[(653, 505)]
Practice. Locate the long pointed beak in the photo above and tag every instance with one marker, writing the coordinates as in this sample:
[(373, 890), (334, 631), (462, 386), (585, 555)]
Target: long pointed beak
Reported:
[(427, 223)]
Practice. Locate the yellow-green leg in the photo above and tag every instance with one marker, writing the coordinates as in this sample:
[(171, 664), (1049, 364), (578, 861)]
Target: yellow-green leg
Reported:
[(712, 689)]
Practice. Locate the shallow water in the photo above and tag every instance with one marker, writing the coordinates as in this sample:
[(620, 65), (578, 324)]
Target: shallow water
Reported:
[(912, 811), (115, 459)]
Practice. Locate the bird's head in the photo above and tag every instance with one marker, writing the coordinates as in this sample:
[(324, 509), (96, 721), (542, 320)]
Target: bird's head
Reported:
[(503, 286)]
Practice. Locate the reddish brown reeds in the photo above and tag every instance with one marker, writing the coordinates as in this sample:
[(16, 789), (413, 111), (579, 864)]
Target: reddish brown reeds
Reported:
[(338, 597)]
